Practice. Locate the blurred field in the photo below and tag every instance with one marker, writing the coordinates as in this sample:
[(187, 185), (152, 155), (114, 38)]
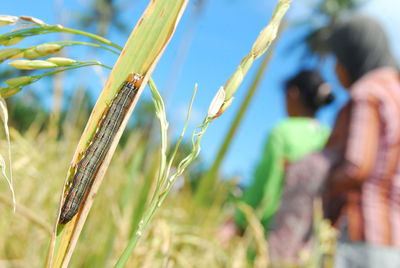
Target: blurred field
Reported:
[(182, 235)]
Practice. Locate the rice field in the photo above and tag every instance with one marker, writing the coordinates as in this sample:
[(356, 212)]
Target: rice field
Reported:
[(181, 235)]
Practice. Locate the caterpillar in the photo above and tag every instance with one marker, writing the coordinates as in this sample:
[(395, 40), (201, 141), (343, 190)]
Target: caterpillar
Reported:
[(94, 155)]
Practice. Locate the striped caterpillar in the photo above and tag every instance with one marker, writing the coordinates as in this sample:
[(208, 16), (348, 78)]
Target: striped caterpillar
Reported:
[(95, 153)]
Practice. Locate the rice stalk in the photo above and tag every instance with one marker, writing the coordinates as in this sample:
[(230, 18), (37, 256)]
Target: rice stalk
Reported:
[(260, 46)]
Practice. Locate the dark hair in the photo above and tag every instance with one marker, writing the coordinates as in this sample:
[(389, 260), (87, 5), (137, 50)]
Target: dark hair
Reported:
[(360, 45), (312, 89)]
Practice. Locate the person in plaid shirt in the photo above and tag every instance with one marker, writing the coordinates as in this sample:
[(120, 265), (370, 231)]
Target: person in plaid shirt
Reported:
[(362, 191)]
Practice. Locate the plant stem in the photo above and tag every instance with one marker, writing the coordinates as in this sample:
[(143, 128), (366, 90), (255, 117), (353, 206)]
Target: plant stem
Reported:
[(208, 181), (82, 64), (90, 35), (56, 28), (164, 181), (72, 43), (178, 143)]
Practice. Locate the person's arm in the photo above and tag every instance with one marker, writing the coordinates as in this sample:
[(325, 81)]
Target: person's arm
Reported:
[(267, 183), (361, 147), (359, 155)]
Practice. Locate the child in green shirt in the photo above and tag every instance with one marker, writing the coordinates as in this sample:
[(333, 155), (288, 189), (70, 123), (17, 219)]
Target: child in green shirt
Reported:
[(298, 135)]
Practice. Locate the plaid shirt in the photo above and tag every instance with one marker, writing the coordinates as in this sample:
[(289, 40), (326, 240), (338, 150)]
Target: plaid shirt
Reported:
[(363, 189)]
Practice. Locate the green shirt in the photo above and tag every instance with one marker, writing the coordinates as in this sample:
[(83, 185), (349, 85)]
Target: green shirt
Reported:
[(292, 139)]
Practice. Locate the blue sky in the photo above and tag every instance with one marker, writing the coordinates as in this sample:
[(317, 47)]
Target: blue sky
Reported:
[(222, 35)]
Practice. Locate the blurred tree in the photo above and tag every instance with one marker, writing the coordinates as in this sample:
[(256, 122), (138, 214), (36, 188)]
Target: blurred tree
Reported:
[(103, 15), (24, 111), (324, 16)]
